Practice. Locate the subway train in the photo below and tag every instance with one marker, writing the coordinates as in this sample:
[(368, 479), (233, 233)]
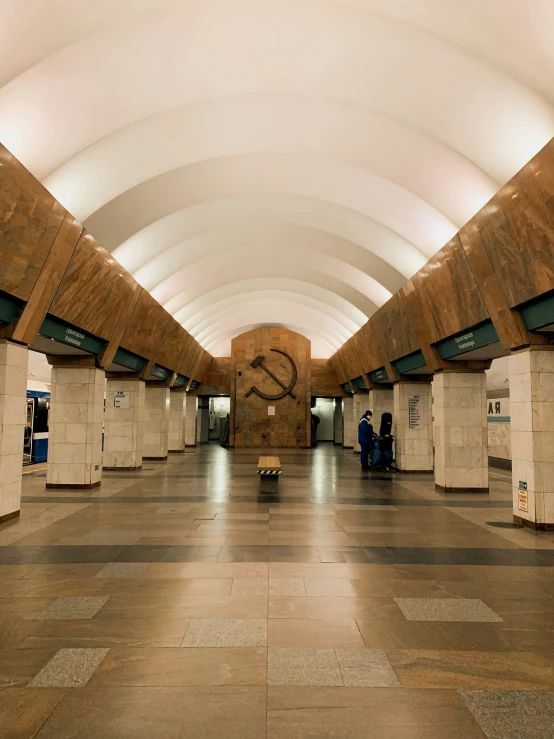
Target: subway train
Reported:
[(35, 441)]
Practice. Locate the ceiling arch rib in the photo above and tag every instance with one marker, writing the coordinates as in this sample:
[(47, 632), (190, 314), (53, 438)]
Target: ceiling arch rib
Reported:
[(305, 260), (280, 124), (221, 347), (277, 310), (337, 324), (212, 49), (267, 238), (321, 179), (296, 210), (202, 278), (196, 310), (491, 29)]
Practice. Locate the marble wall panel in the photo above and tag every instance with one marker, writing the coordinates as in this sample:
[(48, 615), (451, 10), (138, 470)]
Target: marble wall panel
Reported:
[(30, 218), (324, 381), (146, 327), (217, 379), (95, 291), (443, 297), (392, 324), (251, 422)]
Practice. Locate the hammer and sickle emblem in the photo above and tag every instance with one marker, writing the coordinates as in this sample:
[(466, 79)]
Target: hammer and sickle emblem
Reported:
[(287, 389)]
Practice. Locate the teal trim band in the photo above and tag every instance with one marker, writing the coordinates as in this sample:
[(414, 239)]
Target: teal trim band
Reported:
[(161, 372), (8, 309), (129, 360), (60, 331), (359, 382), (473, 338), (379, 375), (345, 387), (538, 312), (498, 419), (181, 380), (410, 362)]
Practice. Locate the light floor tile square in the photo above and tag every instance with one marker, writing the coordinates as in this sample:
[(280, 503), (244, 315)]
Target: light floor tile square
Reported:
[(226, 632), (286, 586), (117, 570), (73, 608), (512, 714), (446, 609), (249, 586), (69, 668), (366, 668), (332, 588), (308, 667)]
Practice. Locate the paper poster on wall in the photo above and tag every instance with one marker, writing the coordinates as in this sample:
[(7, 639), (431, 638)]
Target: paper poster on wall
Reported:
[(270, 410), (121, 400), (414, 416)]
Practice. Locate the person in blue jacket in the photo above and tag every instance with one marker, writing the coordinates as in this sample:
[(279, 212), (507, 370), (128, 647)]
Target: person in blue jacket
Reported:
[(365, 436)]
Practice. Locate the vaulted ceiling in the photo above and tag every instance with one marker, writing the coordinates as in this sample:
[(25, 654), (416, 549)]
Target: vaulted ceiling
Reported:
[(275, 162)]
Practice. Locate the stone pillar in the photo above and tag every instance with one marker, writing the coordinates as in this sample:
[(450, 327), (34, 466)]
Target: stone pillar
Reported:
[(350, 431), (380, 401), (75, 427), (337, 422), (191, 408), (176, 421), (156, 421), (413, 431), (123, 423), (13, 390), (460, 432), (361, 404), (532, 434)]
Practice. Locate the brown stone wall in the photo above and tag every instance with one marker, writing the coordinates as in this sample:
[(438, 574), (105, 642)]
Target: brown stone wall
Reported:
[(251, 425)]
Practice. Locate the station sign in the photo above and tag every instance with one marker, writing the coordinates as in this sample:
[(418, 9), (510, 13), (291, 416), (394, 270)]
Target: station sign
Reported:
[(379, 375), (53, 328), (128, 359), (160, 372), (8, 309), (410, 362), (466, 341)]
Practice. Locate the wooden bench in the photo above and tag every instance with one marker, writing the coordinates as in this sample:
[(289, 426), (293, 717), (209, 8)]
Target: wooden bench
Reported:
[(269, 469)]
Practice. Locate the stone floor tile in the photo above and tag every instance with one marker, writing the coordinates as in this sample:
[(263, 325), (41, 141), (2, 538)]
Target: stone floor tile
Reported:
[(512, 714), (132, 570), (380, 530), (159, 713), (249, 586), (308, 633), (366, 668), (308, 667), (338, 588), (446, 609), (73, 608), (23, 711), (236, 632), (69, 668), (286, 586)]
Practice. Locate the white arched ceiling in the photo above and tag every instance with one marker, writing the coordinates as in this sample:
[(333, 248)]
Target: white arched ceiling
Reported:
[(291, 159)]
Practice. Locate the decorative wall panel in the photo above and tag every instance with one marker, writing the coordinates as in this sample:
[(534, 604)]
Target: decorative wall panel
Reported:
[(256, 421)]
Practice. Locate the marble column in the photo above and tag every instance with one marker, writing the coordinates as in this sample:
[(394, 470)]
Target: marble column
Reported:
[(176, 421), (156, 421), (123, 423), (350, 430), (413, 426), (460, 432), (191, 408), (13, 390), (532, 436), (337, 422), (361, 404), (75, 427), (380, 401)]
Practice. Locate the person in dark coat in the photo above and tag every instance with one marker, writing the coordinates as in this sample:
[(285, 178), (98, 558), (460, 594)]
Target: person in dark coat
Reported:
[(365, 437)]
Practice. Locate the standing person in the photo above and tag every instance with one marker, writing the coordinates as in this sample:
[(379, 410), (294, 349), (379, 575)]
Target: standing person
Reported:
[(365, 437)]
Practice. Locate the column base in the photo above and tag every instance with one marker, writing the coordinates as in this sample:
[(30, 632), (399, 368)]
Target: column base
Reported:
[(9, 516), (75, 486), (175, 451), (442, 489), (122, 469), (534, 524), (190, 446), (154, 459), (415, 472)]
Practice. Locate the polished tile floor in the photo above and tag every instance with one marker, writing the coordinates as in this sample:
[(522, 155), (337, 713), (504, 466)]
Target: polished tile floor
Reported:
[(179, 602)]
